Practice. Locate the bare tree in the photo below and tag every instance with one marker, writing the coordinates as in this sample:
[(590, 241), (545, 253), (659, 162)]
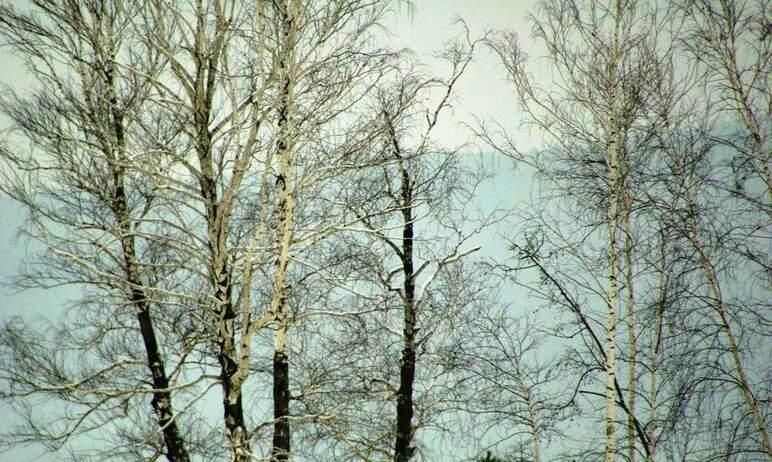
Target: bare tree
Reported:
[(724, 153), (254, 117), (409, 186), (211, 154), (405, 207), (696, 184), (327, 45), (92, 214), (729, 40), (512, 375), (598, 127)]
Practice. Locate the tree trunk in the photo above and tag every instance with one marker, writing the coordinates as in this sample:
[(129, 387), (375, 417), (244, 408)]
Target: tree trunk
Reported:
[(632, 343), (613, 158), (611, 315), (217, 212), (162, 400), (655, 351), (403, 449), (284, 229), (720, 309)]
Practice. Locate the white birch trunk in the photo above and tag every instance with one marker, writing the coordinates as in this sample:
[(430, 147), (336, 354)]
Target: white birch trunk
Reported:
[(613, 139), (720, 309)]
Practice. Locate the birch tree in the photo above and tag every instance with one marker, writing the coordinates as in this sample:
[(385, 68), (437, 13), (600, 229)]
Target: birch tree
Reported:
[(408, 186), (598, 127), (697, 186), (305, 65), (729, 41), (232, 93), (326, 68), (406, 240), (93, 216), (512, 376), (211, 153)]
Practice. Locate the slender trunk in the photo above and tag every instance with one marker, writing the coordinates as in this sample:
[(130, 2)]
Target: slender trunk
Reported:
[(611, 315), (281, 430), (655, 351), (224, 311), (632, 343), (403, 449), (281, 395), (284, 221), (532, 415), (614, 146), (742, 377), (726, 327), (162, 399), (534, 430), (233, 409), (741, 96), (206, 57), (223, 307)]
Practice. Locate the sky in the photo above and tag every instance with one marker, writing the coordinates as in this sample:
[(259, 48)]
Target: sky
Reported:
[(483, 92)]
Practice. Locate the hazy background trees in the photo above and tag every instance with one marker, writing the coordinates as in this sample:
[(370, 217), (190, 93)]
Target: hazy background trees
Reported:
[(630, 116), (282, 251)]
